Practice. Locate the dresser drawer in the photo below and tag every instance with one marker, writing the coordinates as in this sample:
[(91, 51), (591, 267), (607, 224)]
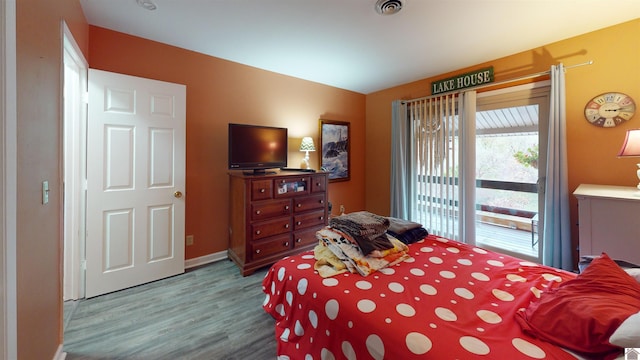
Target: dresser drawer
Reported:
[(306, 220), (263, 229), (261, 189), (318, 183), (269, 209), (309, 202), (267, 247), (305, 237)]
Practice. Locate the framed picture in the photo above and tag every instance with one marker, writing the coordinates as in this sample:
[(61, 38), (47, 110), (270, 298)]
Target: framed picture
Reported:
[(334, 149)]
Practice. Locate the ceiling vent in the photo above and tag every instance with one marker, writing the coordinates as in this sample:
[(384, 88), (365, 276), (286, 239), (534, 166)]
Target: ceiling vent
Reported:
[(147, 4), (388, 7)]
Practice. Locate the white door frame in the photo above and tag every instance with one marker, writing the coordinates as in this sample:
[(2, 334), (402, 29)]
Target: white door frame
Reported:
[(8, 182), (74, 168)]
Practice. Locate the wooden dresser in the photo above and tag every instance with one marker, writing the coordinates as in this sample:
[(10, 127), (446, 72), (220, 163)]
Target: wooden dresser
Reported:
[(608, 221), (275, 215)]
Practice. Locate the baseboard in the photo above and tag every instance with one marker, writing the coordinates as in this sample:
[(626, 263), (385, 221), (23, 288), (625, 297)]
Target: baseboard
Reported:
[(60, 355), (207, 259)]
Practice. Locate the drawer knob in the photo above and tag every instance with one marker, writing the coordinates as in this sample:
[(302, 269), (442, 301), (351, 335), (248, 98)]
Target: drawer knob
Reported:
[(298, 240), (286, 226), (321, 217), (286, 207), (258, 251), (299, 222), (299, 205), (286, 243), (257, 212), (321, 201), (262, 190), (318, 184), (257, 232)]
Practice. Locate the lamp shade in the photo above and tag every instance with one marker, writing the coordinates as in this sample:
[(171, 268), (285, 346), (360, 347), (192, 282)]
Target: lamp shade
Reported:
[(631, 145), (307, 144)]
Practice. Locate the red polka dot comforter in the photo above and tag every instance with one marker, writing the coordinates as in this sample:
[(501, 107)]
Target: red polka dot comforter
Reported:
[(448, 301)]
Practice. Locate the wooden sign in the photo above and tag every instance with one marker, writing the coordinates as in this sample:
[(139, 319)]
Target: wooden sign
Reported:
[(467, 80)]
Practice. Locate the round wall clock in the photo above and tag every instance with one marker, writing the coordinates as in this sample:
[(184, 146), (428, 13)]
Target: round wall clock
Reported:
[(609, 109)]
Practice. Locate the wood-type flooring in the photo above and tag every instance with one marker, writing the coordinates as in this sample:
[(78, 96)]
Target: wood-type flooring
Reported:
[(209, 313)]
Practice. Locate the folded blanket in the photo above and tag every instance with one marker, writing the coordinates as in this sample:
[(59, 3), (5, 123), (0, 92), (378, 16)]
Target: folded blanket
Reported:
[(410, 236), (366, 228), (349, 253), (398, 226), (327, 263)]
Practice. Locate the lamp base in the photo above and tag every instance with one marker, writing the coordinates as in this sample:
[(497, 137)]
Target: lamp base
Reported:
[(306, 163), (638, 174)]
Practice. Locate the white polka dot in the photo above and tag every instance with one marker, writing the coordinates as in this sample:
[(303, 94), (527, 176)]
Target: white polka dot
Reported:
[(489, 316), (267, 298), (387, 271), (495, 263), (502, 295), (536, 292), (366, 306), (330, 282), (453, 250), (285, 335), (363, 285), (480, 276), (280, 309), (436, 260), (289, 297), (405, 310), (298, 330), (446, 314), (302, 286), (347, 351), (308, 256), (331, 308), (552, 277), (465, 262), (375, 346), (428, 289), (304, 266), (426, 249), (516, 278), (474, 345), (325, 354), (464, 293), (480, 251), (417, 272), (528, 348), (418, 343), (528, 263), (313, 319), (410, 260), (396, 287), (447, 274), (281, 273)]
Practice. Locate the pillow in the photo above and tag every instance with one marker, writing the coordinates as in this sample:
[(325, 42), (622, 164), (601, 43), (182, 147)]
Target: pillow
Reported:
[(634, 272), (583, 313), (627, 335)]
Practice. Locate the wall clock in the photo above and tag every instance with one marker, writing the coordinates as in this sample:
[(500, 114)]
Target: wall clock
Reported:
[(609, 109)]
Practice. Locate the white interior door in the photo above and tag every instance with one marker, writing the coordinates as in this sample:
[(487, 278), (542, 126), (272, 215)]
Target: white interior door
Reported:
[(135, 181)]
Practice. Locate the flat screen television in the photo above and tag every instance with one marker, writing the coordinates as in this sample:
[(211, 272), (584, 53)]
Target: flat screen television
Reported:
[(257, 148)]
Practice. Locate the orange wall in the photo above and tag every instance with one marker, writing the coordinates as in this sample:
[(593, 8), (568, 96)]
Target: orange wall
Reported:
[(39, 148), (592, 151), (220, 92)]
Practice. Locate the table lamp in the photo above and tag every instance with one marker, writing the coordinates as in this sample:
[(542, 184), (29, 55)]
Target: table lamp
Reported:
[(631, 147), (306, 146)]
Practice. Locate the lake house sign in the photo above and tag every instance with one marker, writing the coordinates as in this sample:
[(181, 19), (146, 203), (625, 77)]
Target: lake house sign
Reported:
[(470, 79)]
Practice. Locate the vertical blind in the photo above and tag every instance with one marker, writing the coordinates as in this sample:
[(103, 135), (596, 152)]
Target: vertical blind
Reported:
[(435, 146)]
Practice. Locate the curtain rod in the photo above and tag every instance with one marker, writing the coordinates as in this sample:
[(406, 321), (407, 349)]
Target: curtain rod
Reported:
[(525, 77)]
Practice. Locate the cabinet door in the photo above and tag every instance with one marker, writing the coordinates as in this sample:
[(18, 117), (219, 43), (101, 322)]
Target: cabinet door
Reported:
[(318, 183), (261, 189), (291, 186)]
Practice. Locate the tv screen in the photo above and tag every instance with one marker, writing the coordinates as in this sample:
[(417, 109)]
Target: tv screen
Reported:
[(256, 148)]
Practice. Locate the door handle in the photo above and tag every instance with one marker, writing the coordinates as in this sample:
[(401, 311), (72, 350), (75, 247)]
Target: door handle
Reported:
[(177, 194)]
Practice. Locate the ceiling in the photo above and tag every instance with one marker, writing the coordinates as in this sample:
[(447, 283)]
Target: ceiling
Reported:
[(347, 44)]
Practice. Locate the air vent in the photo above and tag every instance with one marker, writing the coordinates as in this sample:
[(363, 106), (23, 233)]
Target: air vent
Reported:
[(388, 7)]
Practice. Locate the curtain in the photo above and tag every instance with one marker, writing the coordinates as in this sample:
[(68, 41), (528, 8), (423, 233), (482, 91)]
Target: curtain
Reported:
[(400, 167), (556, 229)]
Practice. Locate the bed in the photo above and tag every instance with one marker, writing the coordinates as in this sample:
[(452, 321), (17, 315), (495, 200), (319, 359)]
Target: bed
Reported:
[(444, 300)]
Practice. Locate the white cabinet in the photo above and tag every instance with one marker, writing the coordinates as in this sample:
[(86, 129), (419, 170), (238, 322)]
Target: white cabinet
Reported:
[(609, 221)]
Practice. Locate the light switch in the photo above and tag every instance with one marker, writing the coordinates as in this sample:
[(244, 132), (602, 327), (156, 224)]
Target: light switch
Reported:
[(45, 192)]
